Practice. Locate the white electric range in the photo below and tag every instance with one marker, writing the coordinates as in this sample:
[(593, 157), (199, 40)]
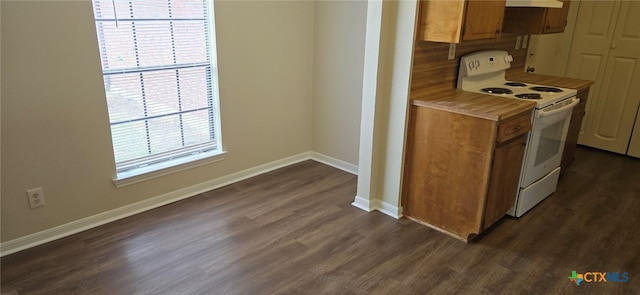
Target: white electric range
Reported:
[(484, 72)]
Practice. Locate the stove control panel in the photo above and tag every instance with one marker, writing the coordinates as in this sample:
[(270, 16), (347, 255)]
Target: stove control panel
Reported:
[(484, 62)]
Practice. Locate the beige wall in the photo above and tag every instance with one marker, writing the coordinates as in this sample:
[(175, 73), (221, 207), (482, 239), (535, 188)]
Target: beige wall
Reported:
[(549, 53), (55, 131), (339, 35)]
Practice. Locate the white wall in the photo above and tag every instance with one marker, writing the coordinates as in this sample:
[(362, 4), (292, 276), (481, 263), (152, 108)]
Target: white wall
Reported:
[(390, 37), (549, 53), (339, 33), (545, 52), (55, 131)]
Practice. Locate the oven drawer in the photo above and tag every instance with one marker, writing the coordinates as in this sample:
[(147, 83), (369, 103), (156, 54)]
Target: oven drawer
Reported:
[(514, 126)]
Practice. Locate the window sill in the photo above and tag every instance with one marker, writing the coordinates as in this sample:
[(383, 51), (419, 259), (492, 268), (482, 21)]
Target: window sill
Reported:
[(165, 168)]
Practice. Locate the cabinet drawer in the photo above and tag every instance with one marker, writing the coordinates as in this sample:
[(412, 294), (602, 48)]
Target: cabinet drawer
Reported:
[(513, 127)]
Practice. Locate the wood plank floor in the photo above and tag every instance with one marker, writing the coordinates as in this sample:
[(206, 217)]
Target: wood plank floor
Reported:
[(293, 231)]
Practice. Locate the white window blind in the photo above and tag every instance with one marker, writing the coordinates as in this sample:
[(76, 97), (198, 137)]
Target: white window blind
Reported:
[(160, 78)]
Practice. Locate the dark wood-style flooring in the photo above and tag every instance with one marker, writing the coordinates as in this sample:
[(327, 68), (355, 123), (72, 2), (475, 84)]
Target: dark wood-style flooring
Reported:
[(293, 231)]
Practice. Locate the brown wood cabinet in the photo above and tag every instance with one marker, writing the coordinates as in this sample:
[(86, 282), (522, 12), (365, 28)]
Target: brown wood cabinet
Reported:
[(568, 155), (456, 20), (536, 20), (461, 171), (555, 19), (505, 175)]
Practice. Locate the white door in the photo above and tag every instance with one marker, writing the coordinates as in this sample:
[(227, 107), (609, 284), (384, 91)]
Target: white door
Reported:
[(606, 48), (589, 49)]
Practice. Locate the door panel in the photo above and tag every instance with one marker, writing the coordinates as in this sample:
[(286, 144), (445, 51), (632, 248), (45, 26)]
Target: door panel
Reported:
[(600, 24), (589, 64), (612, 116), (630, 28), (589, 49), (617, 102), (606, 49)]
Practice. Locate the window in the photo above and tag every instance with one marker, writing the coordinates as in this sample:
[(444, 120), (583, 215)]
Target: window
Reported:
[(160, 78)]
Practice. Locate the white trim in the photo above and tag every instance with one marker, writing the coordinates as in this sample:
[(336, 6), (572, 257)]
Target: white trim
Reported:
[(77, 226), (362, 203), (80, 225), (388, 209), (167, 167), (367, 155), (568, 36), (335, 163), (377, 205), (389, 43)]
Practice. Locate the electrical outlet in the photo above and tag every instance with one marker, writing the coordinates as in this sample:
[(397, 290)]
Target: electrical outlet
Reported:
[(525, 41), (36, 197), (518, 40), (452, 50)]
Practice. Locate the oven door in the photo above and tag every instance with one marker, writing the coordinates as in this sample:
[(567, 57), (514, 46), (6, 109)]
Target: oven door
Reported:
[(546, 141)]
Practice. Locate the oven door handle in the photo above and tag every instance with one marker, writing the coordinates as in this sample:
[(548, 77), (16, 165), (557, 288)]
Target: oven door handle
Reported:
[(573, 103)]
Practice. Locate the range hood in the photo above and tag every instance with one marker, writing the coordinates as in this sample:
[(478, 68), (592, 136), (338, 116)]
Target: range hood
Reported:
[(534, 3)]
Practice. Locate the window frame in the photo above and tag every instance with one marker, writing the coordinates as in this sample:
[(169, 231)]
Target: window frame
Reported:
[(159, 164)]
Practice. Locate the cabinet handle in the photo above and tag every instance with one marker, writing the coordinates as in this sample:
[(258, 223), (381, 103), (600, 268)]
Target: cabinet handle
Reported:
[(517, 128)]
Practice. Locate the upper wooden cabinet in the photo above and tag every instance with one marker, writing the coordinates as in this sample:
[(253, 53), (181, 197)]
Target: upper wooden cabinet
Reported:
[(453, 21), (536, 20), (555, 19)]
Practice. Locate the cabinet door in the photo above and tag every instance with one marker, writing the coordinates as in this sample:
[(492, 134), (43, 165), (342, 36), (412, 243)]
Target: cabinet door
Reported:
[(503, 185), (556, 18), (440, 21), (444, 21), (483, 19)]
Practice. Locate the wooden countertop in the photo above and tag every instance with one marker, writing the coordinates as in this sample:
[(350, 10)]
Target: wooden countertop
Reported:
[(489, 107), (494, 107), (564, 82)]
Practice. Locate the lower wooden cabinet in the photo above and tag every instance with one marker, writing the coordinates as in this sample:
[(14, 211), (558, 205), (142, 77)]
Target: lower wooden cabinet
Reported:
[(504, 180), (462, 172)]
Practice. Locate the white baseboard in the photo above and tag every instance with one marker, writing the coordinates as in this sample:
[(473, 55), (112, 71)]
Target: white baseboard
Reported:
[(336, 163), (388, 209), (77, 226), (362, 203), (377, 205)]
